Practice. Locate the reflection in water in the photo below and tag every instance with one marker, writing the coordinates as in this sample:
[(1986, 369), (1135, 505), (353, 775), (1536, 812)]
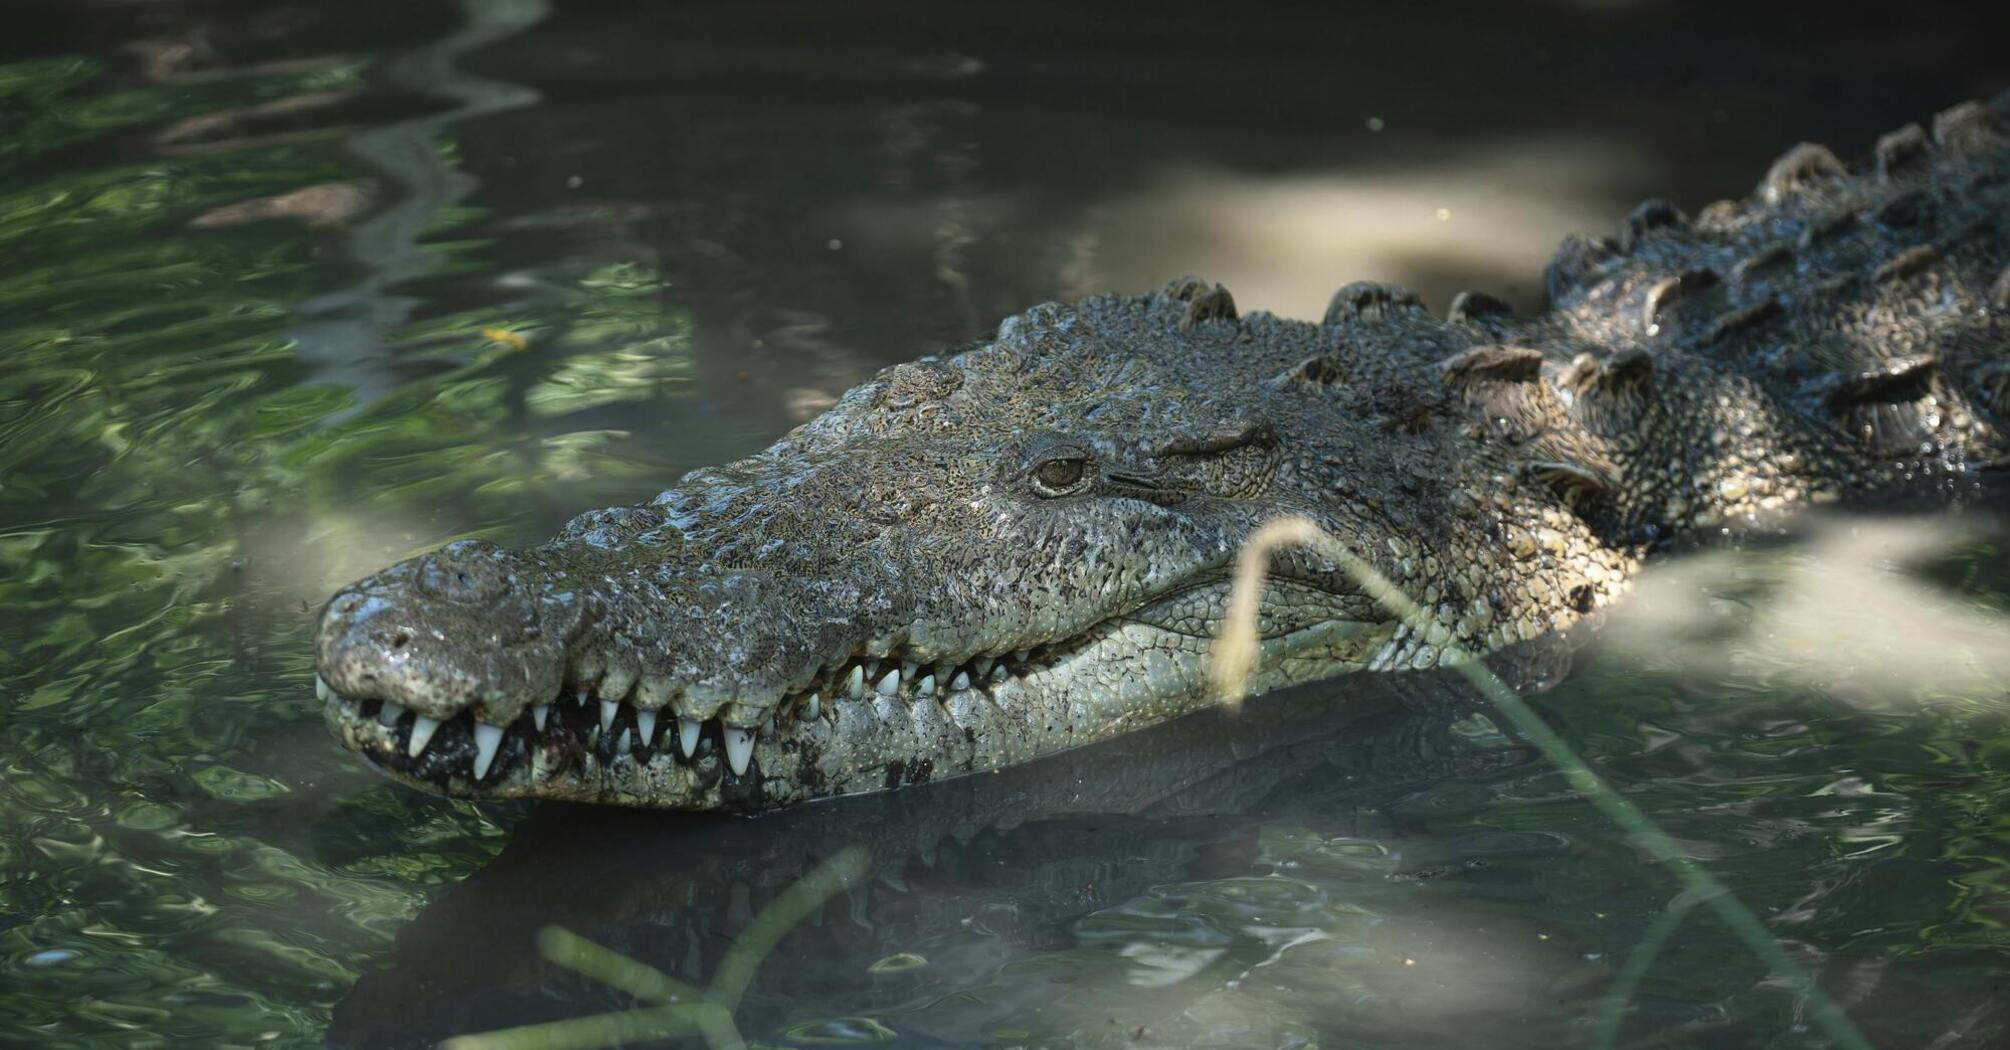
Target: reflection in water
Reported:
[(1107, 871), (343, 334), (326, 204), (252, 251)]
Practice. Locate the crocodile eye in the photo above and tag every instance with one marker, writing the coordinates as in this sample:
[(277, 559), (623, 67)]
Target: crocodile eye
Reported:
[(1058, 477)]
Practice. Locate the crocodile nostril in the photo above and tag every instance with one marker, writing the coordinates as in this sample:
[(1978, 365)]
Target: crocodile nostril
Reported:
[(400, 640)]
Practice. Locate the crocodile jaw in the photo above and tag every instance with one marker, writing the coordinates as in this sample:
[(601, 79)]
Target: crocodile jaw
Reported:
[(906, 728)]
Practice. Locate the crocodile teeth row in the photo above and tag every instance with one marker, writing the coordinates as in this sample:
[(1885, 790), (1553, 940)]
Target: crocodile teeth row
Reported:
[(890, 676), (850, 680), (488, 737)]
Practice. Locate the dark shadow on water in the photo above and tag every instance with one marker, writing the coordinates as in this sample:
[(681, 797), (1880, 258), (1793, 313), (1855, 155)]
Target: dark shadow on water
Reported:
[(976, 876)]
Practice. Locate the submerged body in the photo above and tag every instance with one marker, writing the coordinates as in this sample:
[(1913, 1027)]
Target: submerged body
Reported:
[(974, 560)]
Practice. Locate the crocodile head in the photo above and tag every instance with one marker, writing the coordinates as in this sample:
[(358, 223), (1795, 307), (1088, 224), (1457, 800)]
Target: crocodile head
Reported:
[(965, 563)]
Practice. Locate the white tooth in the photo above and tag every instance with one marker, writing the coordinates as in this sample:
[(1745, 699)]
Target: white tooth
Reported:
[(1019, 655), (321, 689), (739, 749), (580, 697), (815, 707), (907, 670), (871, 670), (621, 743), (855, 684), (926, 687), (983, 666), (538, 714), (607, 712), (687, 735), (645, 725), (422, 731), (389, 714), (999, 674), (488, 739), (890, 684), (959, 683)]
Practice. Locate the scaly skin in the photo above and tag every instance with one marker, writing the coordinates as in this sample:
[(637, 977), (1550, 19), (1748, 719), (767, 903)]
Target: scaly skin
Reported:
[(974, 560)]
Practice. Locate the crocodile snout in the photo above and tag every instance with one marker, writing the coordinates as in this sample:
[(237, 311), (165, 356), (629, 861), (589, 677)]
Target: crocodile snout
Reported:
[(471, 626)]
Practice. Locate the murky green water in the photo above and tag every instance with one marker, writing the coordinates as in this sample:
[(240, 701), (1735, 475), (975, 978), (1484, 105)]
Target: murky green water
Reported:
[(295, 290)]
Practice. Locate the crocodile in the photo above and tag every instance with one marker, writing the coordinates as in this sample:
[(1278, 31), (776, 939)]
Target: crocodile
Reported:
[(979, 558)]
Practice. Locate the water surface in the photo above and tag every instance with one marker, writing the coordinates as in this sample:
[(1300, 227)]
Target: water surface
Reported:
[(296, 290)]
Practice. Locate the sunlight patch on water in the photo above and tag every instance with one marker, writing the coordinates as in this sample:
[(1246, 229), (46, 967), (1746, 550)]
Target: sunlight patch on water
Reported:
[(1847, 611), (1487, 218)]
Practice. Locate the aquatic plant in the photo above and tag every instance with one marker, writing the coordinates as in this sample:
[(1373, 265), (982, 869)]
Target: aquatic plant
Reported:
[(1234, 657), (675, 1008)]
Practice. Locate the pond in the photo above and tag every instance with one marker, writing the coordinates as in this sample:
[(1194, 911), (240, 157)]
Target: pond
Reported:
[(295, 290)]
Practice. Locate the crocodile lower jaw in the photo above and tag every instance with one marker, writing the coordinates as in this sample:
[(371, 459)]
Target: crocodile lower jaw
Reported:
[(603, 743), (1123, 675)]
